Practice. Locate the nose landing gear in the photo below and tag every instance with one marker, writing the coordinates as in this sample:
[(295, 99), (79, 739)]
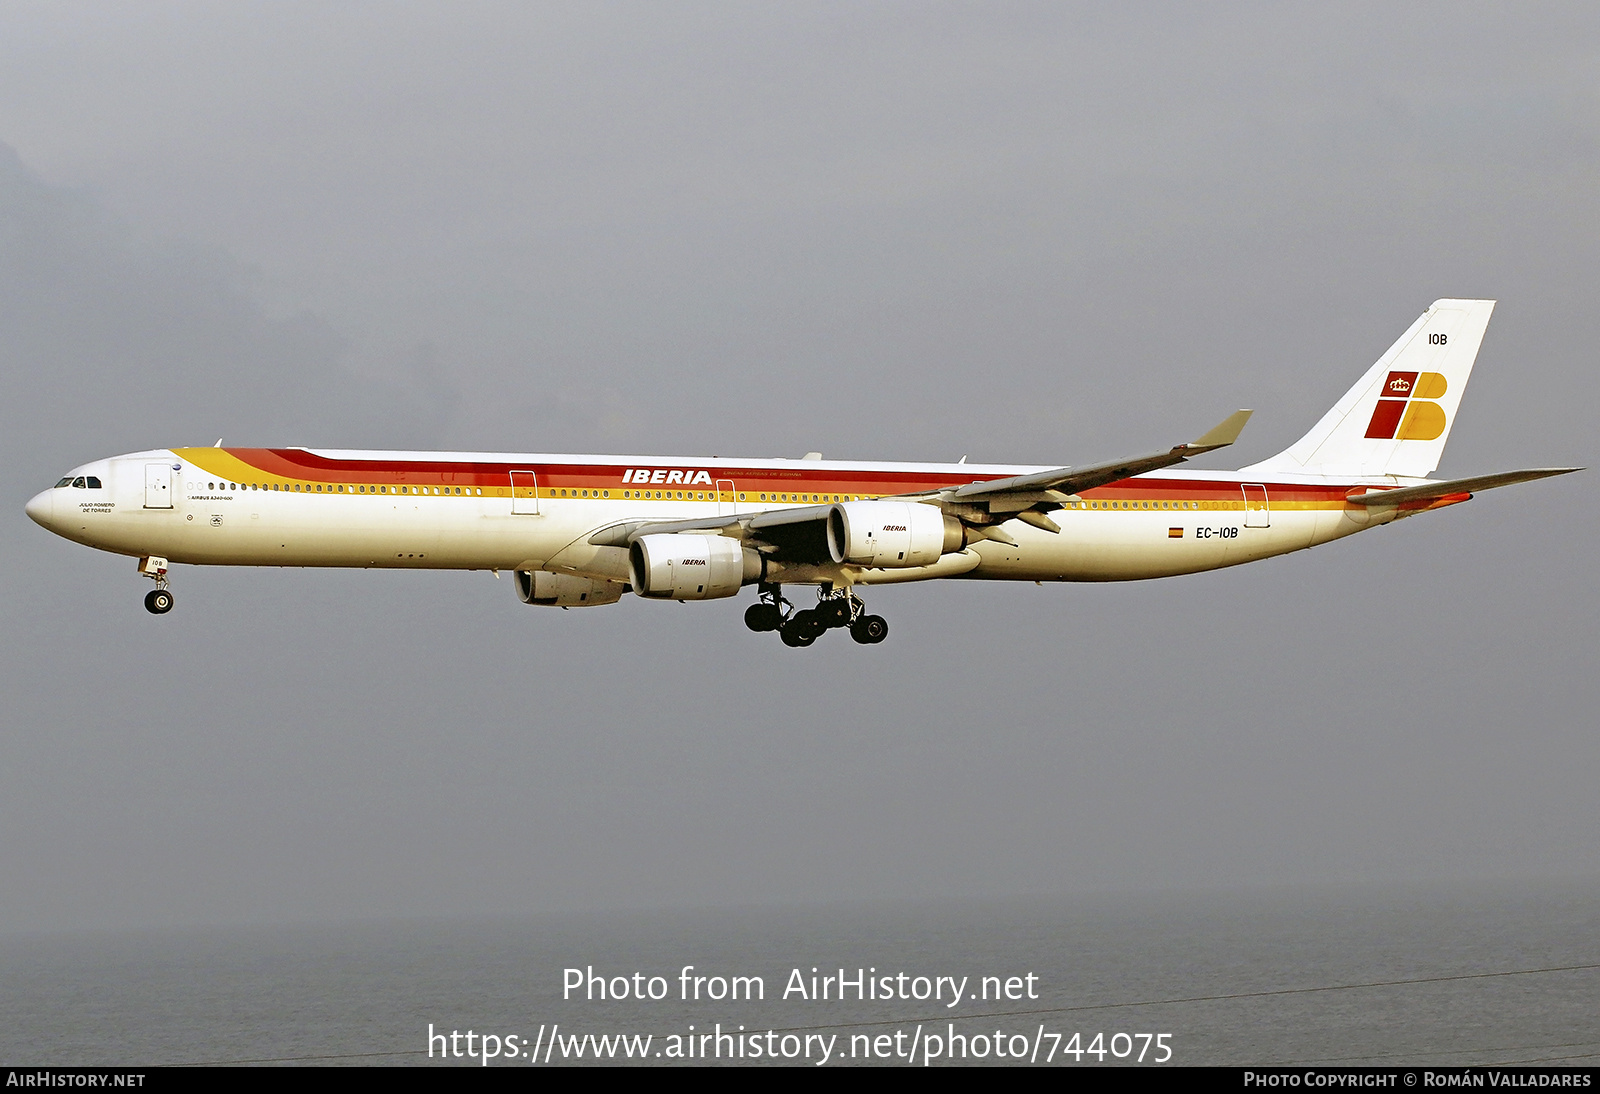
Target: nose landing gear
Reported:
[(159, 600)]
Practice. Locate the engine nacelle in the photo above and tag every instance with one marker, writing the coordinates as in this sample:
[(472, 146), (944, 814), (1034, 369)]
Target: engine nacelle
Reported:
[(566, 591), (891, 533), (688, 567)]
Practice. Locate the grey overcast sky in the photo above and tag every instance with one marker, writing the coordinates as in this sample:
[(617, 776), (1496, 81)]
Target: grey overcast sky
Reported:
[(1036, 233)]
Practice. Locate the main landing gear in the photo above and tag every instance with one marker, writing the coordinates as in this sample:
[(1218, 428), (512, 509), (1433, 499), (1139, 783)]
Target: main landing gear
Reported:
[(834, 610), (159, 600)]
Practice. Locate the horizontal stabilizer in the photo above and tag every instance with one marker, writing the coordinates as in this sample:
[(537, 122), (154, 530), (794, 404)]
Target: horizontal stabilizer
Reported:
[(1428, 490)]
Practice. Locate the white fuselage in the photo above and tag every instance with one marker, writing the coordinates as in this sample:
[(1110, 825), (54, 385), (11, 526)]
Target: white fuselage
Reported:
[(293, 507)]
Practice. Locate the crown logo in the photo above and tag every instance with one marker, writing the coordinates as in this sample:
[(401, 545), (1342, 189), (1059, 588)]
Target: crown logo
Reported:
[(1407, 411)]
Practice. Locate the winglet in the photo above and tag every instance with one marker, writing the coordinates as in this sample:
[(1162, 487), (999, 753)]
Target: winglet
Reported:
[(1223, 434)]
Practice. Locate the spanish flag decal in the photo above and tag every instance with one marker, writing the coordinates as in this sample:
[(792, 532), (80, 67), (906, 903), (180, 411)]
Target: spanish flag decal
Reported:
[(1174, 533), (1405, 410)]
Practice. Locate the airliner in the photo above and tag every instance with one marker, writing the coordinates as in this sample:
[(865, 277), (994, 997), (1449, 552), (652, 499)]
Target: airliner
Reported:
[(582, 531)]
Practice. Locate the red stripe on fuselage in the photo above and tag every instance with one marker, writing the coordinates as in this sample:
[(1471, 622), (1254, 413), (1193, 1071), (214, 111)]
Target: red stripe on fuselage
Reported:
[(295, 463)]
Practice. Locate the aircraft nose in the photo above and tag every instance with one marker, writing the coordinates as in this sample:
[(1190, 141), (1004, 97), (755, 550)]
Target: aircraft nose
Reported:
[(41, 507)]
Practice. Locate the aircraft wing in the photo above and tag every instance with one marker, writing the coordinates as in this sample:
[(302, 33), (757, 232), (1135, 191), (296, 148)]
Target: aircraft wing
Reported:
[(984, 506), (981, 506), (1070, 480)]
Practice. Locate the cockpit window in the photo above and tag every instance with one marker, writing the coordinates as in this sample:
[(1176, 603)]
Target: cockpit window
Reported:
[(94, 483), (79, 483), (64, 482)]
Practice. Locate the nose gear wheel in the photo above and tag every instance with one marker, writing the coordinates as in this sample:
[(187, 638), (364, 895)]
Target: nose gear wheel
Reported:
[(159, 601)]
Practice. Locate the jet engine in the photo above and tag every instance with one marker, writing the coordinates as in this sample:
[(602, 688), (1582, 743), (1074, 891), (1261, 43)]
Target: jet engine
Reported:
[(689, 567), (891, 533), (566, 591)]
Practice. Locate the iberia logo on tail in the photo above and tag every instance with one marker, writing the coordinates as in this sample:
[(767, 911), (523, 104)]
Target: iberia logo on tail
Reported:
[(1406, 410)]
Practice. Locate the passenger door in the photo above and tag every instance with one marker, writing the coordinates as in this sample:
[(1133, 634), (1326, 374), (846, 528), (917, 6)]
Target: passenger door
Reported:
[(157, 486), (1256, 512)]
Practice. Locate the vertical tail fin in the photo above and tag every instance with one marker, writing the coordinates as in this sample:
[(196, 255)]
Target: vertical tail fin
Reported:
[(1397, 418)]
